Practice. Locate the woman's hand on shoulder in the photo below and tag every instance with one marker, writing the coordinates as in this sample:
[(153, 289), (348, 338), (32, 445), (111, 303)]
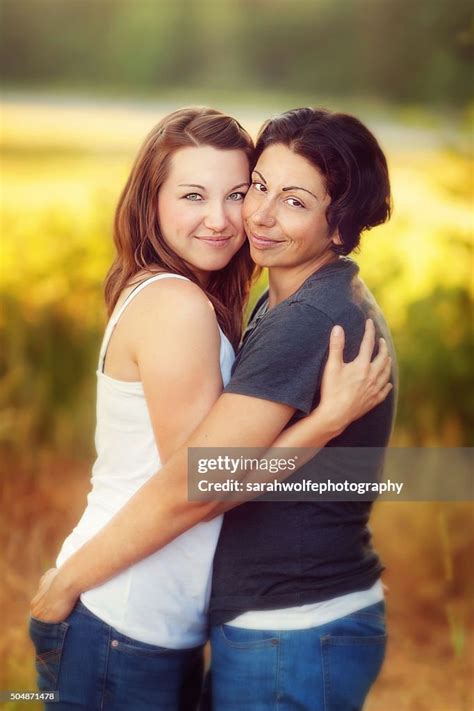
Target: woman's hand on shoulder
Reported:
[(350, 390)]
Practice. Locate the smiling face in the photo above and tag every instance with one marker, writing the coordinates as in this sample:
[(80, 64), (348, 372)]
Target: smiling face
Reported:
[(285, 212), (200, 206)]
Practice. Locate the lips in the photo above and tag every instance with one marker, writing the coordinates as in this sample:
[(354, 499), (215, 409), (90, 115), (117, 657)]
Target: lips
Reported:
[(214, 241), (263, 242)]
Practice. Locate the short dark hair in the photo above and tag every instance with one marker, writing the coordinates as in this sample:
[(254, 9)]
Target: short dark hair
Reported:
[(350, 160)]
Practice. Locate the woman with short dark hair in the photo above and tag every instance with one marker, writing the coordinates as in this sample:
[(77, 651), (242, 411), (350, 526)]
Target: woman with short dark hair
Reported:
[(297, 606), (349, 158)]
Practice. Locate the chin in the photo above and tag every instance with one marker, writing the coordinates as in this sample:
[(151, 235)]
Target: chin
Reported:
[(262, 258), (214, 265)]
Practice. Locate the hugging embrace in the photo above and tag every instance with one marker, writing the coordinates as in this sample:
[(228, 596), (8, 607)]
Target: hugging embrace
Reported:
[(289, 593)]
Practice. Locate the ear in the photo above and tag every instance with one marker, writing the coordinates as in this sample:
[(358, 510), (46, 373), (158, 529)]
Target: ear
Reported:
[(336, 238)]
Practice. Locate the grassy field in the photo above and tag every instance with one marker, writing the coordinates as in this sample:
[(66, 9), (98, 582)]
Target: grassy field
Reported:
[(62, 169)]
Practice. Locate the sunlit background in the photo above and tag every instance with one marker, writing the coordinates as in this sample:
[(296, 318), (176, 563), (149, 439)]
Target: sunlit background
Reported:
[(84, 81)]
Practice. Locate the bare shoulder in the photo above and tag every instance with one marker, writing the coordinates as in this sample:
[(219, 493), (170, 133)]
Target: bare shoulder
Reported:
[(171, 299)]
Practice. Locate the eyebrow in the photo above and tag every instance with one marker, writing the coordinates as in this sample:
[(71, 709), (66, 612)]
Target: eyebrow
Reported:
[(291, 187), (201, 187), (295, 187), (256, 171)]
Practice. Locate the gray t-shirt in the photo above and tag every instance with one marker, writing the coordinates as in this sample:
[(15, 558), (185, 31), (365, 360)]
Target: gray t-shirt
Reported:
[(284, 349), (281, 554)]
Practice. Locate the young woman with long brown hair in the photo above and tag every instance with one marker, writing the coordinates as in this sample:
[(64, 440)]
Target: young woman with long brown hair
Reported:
[(175, 295)]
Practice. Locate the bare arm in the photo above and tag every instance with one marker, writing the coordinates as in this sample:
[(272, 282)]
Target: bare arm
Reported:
[(175, 342), (159, 511)]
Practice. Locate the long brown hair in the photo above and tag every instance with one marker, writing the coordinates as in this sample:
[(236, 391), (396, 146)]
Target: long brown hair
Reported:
[(137, 235)]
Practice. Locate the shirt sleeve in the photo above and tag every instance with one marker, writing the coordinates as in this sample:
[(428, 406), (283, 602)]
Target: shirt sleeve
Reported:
[(284, 357)]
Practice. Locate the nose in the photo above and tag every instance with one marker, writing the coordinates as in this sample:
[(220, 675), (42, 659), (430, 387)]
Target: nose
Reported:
[(263, 215), (216, 217)]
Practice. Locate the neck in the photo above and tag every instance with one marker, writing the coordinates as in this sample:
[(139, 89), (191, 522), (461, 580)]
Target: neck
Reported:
[(284, 281), (202, 276), (204, 279)]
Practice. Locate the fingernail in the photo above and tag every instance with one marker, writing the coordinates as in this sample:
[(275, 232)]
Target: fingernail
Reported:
[(337, 331)]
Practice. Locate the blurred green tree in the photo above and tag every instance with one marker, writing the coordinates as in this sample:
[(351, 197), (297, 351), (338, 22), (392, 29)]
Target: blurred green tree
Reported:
[(388, 49)]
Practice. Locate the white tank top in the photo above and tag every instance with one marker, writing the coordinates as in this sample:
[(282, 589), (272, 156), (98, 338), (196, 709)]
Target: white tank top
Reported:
[(163, 599)]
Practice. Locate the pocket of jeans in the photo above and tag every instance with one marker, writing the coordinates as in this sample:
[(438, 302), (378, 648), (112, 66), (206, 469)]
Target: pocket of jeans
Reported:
[(128, 645), (352, 659), (242, 638), (48, 639), (373, 614)]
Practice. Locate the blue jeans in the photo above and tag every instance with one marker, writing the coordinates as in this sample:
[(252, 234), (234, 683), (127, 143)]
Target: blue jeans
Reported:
[(94, 667), (325, 668)]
